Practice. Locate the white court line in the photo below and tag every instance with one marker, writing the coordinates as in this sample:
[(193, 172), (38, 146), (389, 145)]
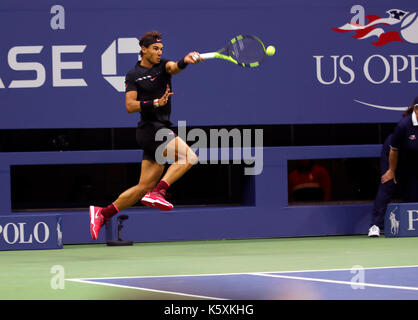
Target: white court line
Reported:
[(168, 276), (237, 273), (356, 284), (144, 289), (343, 269), (264, 273)]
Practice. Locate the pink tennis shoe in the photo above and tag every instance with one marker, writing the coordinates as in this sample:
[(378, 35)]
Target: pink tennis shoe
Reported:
[(97, 220), (156, 199)]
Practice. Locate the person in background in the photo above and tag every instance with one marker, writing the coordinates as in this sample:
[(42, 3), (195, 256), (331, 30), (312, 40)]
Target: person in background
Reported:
[(309, 182), (401, 167), (384, 193)]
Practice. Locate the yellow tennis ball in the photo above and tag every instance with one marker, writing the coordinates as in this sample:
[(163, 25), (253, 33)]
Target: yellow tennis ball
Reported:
[(271, 50)]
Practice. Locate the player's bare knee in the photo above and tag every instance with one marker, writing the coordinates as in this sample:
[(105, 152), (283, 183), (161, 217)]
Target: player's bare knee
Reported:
[(192, 158), (144, 187)]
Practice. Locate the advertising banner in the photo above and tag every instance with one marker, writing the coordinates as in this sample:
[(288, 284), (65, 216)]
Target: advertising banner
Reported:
[(401, 220), (63, 65), (30, 232)]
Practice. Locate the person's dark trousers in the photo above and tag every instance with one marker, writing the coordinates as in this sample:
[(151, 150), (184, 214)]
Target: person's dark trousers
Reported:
[(383, 197), (385, 191)]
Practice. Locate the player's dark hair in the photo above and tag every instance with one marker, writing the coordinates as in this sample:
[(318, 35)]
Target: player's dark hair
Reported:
[(148, 38), (409, 110)]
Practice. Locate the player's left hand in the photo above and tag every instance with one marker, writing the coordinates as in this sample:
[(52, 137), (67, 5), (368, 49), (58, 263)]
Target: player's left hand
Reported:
[(164, 99), (193, 58)]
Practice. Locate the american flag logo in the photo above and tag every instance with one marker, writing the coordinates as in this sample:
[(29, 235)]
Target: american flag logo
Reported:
[(400, 25)]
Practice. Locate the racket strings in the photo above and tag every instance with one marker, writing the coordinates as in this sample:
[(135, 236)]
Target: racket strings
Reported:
[(247, 50)]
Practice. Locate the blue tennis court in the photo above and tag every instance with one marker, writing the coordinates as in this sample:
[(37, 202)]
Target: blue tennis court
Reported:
[(388, 283)]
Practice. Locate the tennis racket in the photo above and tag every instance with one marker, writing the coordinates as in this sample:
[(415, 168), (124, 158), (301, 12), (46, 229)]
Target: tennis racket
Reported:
[(245, 51)]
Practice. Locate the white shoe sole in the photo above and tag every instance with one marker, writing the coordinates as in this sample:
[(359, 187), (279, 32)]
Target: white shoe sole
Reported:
[(164, 206), (148, 202), (93, 233), (373, 235)]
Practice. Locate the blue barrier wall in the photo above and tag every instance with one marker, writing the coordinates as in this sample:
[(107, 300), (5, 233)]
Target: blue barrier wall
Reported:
[(270, 216), (64, 68)]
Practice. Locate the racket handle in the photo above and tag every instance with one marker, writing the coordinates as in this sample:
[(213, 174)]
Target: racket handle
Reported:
[(209, 55)]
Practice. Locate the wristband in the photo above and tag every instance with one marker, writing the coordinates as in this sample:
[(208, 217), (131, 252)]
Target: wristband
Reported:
[(156, 104), (181, 64), (147, 106)]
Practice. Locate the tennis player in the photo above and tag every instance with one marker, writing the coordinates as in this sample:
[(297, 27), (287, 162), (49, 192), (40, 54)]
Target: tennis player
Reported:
[(149, 91)]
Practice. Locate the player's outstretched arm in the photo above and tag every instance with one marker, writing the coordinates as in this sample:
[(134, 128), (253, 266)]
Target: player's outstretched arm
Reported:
[(176, 67)]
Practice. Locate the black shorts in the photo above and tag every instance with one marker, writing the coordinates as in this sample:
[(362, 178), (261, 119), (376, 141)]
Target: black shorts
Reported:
[(146, 137)]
